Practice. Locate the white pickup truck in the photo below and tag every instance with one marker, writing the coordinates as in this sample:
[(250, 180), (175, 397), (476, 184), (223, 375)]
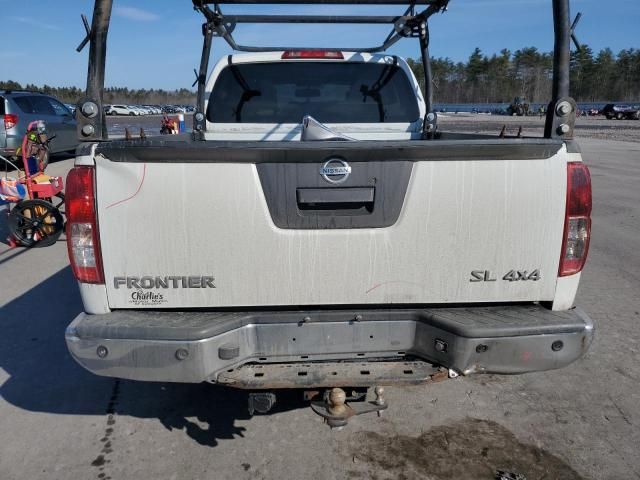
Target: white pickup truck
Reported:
[(312, 237)]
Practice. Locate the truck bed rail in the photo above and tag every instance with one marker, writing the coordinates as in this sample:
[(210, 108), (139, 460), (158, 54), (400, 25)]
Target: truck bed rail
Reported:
[(188, 151)]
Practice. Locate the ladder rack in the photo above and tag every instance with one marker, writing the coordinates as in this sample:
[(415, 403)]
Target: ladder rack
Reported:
[(411, 23)]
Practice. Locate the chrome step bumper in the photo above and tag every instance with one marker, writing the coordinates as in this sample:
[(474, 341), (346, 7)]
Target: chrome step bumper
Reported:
[(203, 346)]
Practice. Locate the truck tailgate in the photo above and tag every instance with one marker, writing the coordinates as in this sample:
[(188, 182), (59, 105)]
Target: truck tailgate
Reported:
[(188, 226)]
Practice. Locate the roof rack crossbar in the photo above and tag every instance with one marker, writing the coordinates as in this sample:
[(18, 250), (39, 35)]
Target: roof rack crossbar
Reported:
[(316, 2), (391, 39), (311, 19), (253, 49), (403, 25)]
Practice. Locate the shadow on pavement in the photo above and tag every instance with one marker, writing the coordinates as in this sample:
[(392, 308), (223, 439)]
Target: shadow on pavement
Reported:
[(42, 376), (4, 226)]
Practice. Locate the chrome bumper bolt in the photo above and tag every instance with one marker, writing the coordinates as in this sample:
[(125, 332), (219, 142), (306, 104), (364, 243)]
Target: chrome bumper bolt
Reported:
[(440, 346), (102, 351), (182, 354)]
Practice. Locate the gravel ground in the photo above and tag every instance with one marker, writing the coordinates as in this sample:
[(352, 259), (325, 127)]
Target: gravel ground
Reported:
[(59, 422), (586, 127)]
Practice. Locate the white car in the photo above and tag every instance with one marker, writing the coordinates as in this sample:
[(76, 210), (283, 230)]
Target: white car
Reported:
[(136, 109), (121, 110)]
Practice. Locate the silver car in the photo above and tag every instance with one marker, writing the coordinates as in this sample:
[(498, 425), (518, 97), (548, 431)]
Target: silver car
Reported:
[(18, 108)]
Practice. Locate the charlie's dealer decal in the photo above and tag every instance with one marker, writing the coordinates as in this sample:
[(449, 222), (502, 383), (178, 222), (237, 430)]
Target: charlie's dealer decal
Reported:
[(143, 287)]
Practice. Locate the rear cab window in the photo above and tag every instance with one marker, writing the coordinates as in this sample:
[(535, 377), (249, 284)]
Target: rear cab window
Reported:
[(331, 92), (2, 107)]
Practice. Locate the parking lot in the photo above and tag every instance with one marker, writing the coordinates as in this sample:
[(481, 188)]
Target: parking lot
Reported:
[(58, 421)]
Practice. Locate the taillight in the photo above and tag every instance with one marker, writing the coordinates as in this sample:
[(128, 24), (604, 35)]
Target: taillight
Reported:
[(10, 121), (83, 242), (577, 221), (312, 54)]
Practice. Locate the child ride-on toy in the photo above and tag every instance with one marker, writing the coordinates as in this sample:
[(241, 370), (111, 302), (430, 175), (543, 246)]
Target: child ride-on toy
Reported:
[(36, 218)]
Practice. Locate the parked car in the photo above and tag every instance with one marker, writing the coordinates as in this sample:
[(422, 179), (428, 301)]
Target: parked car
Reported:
[(139, 110), (519, 107), (18, 108), (169, 109), (121, 110), (151, 109), (621, 112)]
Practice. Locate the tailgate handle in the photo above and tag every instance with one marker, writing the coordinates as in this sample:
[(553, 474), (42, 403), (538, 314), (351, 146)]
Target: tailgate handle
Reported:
[(336, 197)]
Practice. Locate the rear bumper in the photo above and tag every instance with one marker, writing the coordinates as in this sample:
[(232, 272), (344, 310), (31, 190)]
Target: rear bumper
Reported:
[(201, 346)]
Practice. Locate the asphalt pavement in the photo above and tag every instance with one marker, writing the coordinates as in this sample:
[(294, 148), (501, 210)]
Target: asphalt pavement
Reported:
[(58, 421)]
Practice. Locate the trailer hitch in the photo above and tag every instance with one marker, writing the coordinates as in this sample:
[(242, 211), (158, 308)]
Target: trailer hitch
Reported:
[(336, 411), (335, 407)]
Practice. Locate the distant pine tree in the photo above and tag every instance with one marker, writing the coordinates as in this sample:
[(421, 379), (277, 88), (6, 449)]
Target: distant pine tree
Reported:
[(528, 73)]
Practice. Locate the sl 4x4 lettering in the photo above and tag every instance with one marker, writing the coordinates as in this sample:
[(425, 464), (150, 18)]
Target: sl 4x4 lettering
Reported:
[(510, 276)]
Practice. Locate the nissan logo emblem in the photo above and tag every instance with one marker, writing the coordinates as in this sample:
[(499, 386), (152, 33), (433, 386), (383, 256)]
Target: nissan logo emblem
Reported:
[(335, 170)]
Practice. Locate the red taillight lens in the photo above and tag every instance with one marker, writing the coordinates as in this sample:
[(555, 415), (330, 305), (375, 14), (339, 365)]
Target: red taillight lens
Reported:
[(312, 54), (83, 242), (10, 121), (577, 222)]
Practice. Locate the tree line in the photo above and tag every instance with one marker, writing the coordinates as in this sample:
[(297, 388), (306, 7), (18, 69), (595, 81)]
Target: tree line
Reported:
[(527, 72), (498, 78), (112, 95)]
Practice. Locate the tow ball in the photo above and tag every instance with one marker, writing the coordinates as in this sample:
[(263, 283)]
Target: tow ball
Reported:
[(336, 411)]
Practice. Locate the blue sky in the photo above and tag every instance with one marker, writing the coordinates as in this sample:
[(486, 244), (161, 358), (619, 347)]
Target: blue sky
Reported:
[(156, 43)]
